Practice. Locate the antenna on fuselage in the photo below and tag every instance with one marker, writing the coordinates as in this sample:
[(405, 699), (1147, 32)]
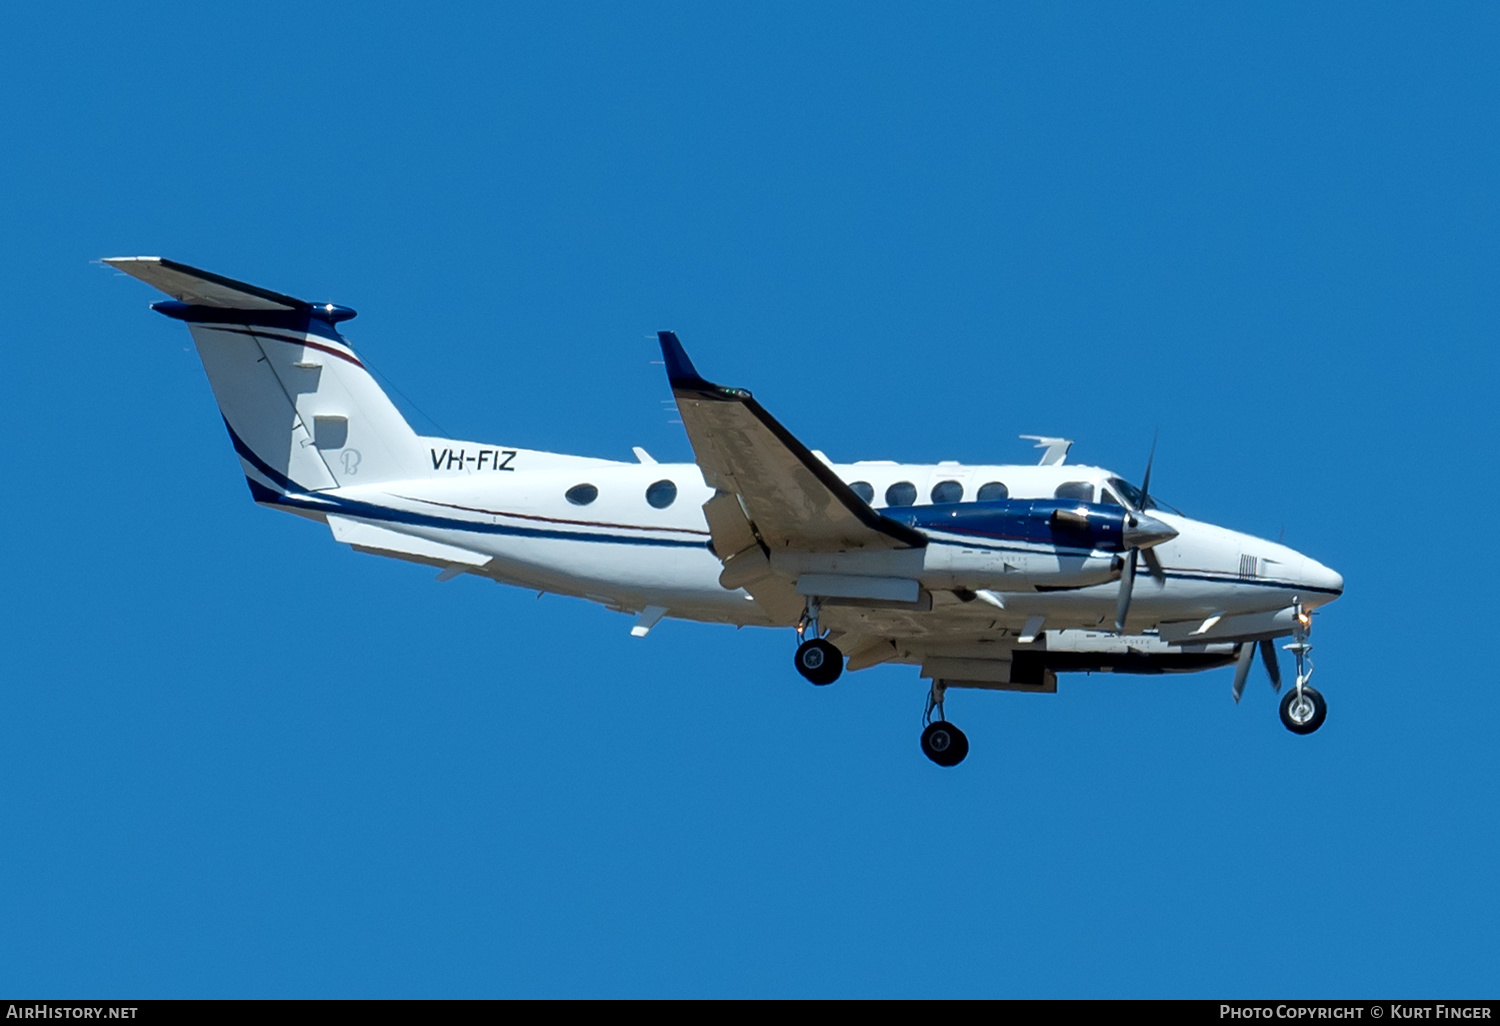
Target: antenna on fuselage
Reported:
[(1057, 449)]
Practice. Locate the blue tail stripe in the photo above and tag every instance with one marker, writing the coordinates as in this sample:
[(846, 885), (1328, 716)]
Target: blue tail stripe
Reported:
[(275, 476)]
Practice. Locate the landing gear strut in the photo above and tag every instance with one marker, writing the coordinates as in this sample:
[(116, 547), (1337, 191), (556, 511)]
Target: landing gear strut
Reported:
[(942, 742), (817, 659), (1303, 709)]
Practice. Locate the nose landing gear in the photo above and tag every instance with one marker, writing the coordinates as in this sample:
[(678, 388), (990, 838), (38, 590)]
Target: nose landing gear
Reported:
[(942, 742), (1303, 709)]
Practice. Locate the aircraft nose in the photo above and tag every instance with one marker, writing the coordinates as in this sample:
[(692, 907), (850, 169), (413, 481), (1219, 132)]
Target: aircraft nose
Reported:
[(1316, 575)]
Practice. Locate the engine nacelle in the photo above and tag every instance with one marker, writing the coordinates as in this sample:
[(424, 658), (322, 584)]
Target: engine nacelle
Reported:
[(1019, 544)]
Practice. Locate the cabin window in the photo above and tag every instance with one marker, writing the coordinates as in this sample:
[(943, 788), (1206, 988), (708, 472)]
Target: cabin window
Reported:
[(662, 494), (1131, 494), (947, 491), (581, 494), (863, 490), (902, 493), (994, 491), (1083, 491)]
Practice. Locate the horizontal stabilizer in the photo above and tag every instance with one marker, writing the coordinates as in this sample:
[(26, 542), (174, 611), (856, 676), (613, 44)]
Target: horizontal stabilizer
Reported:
[(203, 288)]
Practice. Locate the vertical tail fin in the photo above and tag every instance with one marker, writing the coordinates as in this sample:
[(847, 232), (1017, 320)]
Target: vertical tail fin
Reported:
[(303, 411)]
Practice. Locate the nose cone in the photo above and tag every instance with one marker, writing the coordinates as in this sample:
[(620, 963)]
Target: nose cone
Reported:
[(1142, 532), (1328, 584)]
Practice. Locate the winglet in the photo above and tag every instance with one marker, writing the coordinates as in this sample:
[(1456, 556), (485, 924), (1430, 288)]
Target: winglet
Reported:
[(680, 370)]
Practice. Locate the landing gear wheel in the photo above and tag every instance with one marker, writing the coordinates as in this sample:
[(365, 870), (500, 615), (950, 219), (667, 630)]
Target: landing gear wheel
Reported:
[(944, 743), (1305, 713), (819, 661)]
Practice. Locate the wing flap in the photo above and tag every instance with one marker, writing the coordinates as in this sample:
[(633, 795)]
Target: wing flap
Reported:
[(728, 526)]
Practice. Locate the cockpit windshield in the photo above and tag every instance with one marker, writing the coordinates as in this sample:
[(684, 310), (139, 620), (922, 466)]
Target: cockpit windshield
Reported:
[(1131, 494)]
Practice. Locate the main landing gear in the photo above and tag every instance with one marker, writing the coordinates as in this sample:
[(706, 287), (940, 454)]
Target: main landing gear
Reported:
[(1303, 709), (817, 659), (942, 742), (820, 661)]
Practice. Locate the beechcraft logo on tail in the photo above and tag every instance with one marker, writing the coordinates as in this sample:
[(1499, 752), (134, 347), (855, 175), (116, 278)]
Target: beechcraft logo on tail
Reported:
[(480, 459)]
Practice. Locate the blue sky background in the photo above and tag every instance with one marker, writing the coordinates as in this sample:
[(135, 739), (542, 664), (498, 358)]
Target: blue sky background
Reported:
[(237, 759)]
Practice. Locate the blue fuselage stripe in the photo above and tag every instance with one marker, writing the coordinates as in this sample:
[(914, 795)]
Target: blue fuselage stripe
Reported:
[(297, 497), (370, 511), (1230, 578)]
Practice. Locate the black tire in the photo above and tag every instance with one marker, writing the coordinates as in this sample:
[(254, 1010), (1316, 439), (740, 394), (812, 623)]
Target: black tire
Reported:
[(1302, 720), (944, 743), (819, 661)]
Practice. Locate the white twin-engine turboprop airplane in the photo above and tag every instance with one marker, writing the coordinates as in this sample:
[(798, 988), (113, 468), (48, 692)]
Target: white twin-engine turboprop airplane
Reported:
[(996, 577)]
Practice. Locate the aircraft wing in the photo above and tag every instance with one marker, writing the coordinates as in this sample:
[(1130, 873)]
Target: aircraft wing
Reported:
[(790, 498)]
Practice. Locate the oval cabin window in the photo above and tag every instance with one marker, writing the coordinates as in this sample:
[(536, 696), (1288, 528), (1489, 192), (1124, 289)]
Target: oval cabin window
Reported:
[(994, 491), (902, 493), (1083, 491), (863, 490), (947, 491), (581, 495), (662, 494)]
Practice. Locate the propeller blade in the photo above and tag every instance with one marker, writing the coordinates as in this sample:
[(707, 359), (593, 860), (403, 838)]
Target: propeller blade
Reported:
[(1273, 668), (1242, 668), (1127, 585), (1153, 566), (1141, 530), (1146, 479)]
